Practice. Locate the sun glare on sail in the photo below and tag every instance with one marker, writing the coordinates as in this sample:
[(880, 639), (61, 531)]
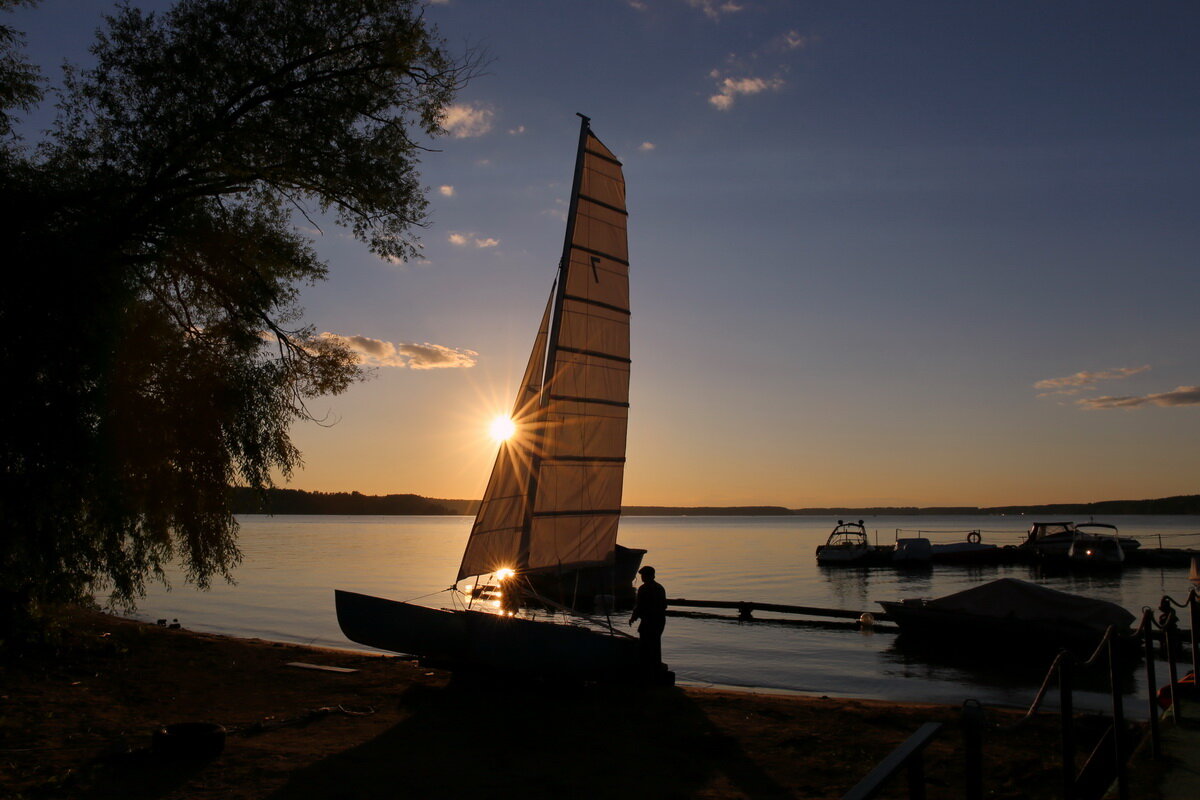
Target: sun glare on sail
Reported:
[(502, 428)]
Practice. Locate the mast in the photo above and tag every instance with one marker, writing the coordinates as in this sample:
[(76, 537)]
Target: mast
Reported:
[(560, 290)]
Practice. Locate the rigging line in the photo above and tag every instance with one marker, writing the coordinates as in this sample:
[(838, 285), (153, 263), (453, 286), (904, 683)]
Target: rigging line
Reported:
[(431, 594)]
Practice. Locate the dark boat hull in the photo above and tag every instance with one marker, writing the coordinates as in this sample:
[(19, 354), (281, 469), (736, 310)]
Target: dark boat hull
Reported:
[(473, 639)]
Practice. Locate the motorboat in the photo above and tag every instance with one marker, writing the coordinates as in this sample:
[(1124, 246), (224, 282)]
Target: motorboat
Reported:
[(848, 545), (1055, 539), (1096, 545)]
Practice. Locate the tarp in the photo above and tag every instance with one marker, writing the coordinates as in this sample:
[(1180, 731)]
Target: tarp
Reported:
[(1009, 598)]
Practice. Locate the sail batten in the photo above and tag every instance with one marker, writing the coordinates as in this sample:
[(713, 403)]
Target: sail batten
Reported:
[(554, 498)]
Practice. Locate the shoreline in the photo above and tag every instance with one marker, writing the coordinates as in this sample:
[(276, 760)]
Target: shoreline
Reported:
[(79, 717)]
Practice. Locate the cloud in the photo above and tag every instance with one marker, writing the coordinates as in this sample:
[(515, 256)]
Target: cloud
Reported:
[(378, 353), (793, 40), (1072, 384), (646, 146), (464, 121), (713, 9), (1180, 396), (446, 191), (729, 88), (467, 239), (517, 131), (638, 5)]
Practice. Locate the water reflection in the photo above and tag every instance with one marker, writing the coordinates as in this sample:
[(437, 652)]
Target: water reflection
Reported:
[(292, 564)]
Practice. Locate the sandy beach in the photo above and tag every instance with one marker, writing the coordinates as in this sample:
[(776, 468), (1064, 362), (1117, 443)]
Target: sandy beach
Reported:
[(79, 715)]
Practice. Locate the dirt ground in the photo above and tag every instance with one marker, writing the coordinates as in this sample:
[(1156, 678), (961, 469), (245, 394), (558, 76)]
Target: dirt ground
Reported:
[(77, 719)]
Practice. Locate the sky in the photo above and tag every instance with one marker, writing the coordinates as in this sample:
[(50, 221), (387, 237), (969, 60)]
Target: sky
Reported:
[(922, 253)]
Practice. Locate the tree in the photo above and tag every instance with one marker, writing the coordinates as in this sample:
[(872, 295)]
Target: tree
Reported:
[(155, 353)]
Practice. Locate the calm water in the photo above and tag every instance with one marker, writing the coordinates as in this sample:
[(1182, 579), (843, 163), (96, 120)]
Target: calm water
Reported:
[(284, 592)]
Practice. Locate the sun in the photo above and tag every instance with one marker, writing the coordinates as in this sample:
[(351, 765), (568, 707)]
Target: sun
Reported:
[(502, 428)]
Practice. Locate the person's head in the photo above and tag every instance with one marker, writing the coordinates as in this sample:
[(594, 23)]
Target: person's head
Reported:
[(647, 573)]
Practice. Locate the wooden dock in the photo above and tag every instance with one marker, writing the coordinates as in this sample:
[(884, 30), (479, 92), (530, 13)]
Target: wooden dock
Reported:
[(745, 609)]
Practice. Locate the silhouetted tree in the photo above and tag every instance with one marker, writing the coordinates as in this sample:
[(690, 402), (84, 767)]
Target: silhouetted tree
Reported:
[(151, 347)]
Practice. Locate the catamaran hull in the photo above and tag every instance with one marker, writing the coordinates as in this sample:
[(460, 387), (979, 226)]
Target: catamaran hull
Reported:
[(473, 639)]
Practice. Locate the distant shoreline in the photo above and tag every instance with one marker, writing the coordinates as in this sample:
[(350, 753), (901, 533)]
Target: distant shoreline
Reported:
[(298, 501)]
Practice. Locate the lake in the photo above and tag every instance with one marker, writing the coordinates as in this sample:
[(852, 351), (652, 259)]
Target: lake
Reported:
[(284, 592)]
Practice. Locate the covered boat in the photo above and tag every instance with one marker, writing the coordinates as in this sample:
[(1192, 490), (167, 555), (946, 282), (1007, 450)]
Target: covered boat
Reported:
[(546, 529), (1009, 615)]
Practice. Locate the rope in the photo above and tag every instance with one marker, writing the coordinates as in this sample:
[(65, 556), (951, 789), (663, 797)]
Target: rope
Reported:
[(431, 594)]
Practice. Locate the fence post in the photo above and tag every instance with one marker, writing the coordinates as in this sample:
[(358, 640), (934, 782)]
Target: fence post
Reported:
[(972, 723), (1169, 621), (1118, 711), (1067, 715), (916, 777), (1193, 621), (1151, 682)]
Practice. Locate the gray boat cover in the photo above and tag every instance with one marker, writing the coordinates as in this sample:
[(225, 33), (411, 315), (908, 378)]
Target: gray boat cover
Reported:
[(1013, 599)]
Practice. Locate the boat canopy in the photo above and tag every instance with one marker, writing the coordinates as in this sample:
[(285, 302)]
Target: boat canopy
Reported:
[(1020, 600), (554, 498)]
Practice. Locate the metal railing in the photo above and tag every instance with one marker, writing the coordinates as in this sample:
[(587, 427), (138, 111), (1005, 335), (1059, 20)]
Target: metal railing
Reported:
[(1098, 771)]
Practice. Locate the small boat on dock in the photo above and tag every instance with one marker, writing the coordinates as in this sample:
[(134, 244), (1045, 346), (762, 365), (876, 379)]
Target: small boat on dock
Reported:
[(848, 546)]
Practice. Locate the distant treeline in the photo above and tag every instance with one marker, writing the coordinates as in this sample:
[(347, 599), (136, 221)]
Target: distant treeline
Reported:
[(705, 511), (297, 501)]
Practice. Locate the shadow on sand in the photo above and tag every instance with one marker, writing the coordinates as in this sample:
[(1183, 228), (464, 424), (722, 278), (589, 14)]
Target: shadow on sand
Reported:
[(486, 737)]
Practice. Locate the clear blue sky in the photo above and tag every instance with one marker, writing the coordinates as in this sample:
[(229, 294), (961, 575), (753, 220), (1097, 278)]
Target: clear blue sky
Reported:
[(882, 253)]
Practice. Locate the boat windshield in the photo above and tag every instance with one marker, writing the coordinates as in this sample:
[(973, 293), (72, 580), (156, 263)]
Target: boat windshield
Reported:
[(1095, 529), (1041, 529)]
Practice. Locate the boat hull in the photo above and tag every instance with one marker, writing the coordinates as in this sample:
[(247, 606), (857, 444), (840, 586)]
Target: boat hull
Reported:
[(473, 639)]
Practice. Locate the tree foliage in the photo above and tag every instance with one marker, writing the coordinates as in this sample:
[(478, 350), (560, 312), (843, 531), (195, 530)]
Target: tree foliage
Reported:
[(154, 353)]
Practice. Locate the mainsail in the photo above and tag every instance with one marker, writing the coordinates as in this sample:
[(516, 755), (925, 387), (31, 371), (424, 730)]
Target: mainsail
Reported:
[(554, 497)]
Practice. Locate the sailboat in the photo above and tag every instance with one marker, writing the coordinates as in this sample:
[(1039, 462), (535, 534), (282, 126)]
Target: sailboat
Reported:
[(546, 528)]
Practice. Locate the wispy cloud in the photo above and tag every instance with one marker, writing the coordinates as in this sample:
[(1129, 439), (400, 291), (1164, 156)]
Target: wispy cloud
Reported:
[(465, 121), (446, 191), (378, 353), (713, 9), (517, 131), (471, 239), (728, 89), (646, 147), (794, 40), (638, 5), (1180, 396), (1072, 384)]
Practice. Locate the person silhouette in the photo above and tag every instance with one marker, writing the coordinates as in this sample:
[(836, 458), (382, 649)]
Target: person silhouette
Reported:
[(651, 609)]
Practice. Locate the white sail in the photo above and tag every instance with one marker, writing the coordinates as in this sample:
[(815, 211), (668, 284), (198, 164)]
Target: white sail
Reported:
[(554, 498)]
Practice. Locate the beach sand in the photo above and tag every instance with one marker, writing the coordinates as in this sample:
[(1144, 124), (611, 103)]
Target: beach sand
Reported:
[(77, 721)]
